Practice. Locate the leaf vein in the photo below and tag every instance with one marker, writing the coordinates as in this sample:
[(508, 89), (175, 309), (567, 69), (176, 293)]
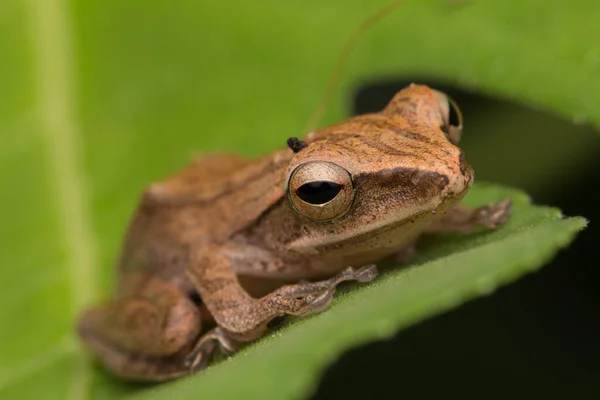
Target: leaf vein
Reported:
[(56, 95)]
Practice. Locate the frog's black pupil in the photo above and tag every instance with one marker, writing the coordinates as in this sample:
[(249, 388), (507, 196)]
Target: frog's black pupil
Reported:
[(318, 192)]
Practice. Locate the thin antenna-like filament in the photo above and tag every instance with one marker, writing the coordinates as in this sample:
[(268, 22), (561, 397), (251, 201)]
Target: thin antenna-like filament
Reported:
[(345, 54)]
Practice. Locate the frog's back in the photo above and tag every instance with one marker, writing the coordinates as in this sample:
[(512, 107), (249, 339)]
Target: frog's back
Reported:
[(206, 202)]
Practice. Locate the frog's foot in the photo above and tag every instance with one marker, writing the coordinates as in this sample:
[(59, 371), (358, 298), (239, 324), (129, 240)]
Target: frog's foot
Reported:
[(316, 296), (493, 215), (464, 219), (206, 347), (363, 274)]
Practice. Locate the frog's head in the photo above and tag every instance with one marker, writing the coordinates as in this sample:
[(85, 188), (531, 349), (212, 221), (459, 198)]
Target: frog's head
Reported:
[(378, 171)]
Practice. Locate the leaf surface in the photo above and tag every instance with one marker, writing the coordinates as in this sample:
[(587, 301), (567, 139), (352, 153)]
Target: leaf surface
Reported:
[(101, 98)]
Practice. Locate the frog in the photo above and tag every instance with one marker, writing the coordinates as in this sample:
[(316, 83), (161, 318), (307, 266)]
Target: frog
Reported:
[(218, 252)]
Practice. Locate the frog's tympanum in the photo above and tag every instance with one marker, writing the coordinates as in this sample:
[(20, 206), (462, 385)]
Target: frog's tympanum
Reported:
[(316, 213)]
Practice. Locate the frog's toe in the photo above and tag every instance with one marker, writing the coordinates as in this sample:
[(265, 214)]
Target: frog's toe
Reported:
[(366, 274), (206, 348), (497, 214), (197, 361), (320, 302)]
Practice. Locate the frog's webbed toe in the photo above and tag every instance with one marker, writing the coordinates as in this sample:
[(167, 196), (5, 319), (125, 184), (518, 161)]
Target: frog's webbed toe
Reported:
[(362, 274), (366, 274), (495, 215), (206, 347), (314, 297)]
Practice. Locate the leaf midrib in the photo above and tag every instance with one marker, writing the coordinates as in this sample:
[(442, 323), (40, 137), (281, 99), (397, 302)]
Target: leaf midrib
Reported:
[(55, 102)]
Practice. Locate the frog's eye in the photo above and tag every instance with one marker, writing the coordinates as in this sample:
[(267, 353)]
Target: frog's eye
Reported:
[(453, 121), (320, 190)]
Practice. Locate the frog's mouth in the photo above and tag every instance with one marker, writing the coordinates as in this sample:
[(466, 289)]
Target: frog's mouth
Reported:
[(369, 233)]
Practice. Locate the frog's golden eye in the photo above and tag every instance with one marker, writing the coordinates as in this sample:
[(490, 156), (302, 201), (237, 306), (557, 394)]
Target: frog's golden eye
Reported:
[(321, 190), (453, 121)]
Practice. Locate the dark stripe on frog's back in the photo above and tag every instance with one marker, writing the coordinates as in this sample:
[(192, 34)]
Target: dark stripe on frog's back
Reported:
[(218, 216), (401, 178), (241, 183), (269, 168), (365, 125), (374, 144), (243, 201), (372, 128)]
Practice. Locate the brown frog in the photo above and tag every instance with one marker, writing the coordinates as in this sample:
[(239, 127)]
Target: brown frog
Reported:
[(314, 214)]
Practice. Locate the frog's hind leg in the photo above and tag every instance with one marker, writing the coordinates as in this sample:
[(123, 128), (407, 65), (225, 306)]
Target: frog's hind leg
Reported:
[(145, 336), (139, 367)]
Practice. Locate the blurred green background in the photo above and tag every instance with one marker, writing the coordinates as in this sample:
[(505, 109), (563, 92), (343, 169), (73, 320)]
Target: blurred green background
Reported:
[(99, 98)]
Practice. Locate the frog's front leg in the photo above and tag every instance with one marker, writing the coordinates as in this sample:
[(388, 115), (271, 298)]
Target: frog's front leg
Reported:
[(465, 219), (255, 314), (242, 318), (462, 219)]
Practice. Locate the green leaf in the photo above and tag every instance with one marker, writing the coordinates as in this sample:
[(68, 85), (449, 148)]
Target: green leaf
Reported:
[(101, 98), (451, 269)]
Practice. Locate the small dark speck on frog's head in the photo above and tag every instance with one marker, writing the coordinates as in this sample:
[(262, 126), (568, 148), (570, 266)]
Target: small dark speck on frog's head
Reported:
[(296, 144)]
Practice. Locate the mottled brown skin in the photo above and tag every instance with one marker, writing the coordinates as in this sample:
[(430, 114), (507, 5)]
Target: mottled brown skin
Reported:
[(226, 217)]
